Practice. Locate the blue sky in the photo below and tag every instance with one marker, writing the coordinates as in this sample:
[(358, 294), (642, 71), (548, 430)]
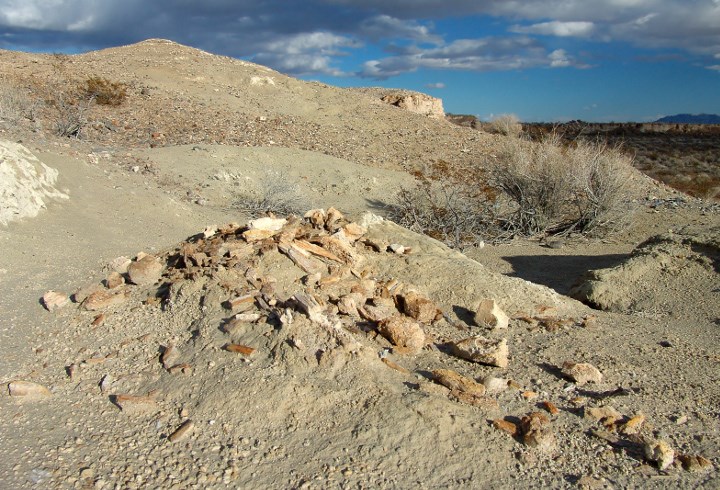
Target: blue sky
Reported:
[(543, 60)]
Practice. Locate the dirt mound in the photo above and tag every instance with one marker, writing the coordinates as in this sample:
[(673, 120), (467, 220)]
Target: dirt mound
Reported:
[(660, 277), (25, 183), (320, 351)]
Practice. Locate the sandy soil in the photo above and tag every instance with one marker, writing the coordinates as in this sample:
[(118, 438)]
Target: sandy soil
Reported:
[(314, 406)]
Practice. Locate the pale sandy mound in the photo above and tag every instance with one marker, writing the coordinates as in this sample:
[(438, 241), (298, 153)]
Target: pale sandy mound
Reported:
[(25, 183), (666, 274), (320, 352)]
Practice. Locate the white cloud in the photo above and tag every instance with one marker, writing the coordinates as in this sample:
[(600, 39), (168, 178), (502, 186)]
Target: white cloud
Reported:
[(387, 27), (486, 54), (559, 59), (437, 85), (714, 67), (305, 53), (557, 28)]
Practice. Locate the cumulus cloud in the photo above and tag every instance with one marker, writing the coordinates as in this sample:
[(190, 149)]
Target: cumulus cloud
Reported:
[(305, 53), (384, 27), (557, 28), (310, 36), (486, 54)]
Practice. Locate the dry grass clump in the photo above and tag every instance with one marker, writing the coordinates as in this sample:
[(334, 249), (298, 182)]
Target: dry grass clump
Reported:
[(275, 193), (105, 92), (554, 188), (507, 124)]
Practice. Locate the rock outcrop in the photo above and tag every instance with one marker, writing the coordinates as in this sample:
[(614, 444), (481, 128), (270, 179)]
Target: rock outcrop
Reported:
[(25, 183), (416, 102)]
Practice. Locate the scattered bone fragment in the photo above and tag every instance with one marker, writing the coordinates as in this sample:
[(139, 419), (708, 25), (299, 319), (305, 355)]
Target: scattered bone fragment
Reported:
[(377, 313), (27, 389), (396, 248), (695, 464), (353, 232), (607, 415), (349, 304), (255, 235), (482, 350), (536, 431), (145, 271), (247, 317), (333, 220), (209, 231), (183, 368), (550, 407), (83, 292), (659, 452), (394, 365), (494, 385), (340, 247), (120, 264), (582, 372), (114, 280), (170, 356), (633, 426), (240, 349), (480, 401), (52, 300), (267, 223), (455, 381), (100, 300), (309, 305), (316, 250), (240, 303), (488, 314), (418, 307), (136, 404), (182, 432), (302, 259), (316, 217), (403, 332), (506, 426)]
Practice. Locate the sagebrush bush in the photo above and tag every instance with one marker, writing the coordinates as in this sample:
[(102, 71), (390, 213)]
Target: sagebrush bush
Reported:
[(105, 92), (68, 113), (507, 124), (275, 193), (554, 188)]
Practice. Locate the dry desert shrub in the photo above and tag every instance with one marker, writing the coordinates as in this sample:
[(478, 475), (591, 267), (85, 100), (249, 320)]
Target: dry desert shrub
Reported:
[(507, 124), (554, 188), (275, 193), (16, 105), (105, 92), (68, 113), (543, 188), (447, 205)]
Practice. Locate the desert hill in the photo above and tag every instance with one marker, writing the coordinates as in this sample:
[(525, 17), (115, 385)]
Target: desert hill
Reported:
[(154, 335)]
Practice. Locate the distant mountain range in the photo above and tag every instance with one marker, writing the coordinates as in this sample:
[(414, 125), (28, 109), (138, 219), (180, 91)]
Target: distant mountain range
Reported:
[(690, 119)]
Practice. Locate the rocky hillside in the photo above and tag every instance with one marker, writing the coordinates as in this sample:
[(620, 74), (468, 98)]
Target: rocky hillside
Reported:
[(180, 95)]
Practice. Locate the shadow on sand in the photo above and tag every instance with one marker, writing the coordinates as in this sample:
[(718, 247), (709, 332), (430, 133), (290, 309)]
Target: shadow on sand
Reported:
[(559, 272)]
